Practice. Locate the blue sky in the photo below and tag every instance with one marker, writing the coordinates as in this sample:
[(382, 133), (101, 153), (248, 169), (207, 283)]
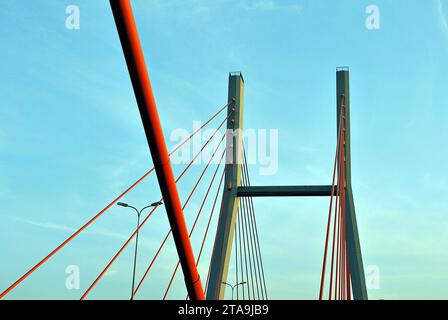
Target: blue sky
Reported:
[(71, 137)]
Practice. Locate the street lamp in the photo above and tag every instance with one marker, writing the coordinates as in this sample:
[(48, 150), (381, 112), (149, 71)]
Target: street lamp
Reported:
[(233, 287), (139, 212)]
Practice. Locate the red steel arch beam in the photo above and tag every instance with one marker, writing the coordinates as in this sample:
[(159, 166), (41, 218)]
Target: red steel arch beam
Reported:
[(127, 31)]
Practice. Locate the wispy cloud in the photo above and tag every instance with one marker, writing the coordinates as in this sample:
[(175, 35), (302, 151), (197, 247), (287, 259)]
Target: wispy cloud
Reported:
[(271, 5), (110, 273), (195, 11), (60, 227), (101, 232), (443, 18)]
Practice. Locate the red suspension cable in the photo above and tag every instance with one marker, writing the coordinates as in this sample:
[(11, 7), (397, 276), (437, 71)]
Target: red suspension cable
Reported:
[(186, 202), (146, 219), (346, 272), (339, 259), (208, 227), (195, 222), (74, 235), (117, 255), (324, 264), (201, 127), (88, 223)]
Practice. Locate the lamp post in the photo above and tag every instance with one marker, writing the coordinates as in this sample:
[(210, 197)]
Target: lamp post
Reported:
[(234, 286), (139, 212)]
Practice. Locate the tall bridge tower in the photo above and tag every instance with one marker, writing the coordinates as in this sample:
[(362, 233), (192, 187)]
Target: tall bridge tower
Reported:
[(234, 190)]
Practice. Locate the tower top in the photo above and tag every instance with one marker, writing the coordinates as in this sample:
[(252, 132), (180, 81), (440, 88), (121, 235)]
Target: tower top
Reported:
[(342, 69), (236, 74)]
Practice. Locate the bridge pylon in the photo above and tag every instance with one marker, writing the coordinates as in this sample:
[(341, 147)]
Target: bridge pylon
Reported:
[(229, 206), (357, 276), (234, 190)]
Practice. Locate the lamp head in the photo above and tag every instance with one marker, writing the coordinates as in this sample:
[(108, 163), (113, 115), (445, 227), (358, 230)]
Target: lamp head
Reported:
[(122, 204), (156, 204)]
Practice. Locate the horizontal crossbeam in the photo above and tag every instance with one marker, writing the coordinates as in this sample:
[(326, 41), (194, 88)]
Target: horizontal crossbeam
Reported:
[(285, 191)]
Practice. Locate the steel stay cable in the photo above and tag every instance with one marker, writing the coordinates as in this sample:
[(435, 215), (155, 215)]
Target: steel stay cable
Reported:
[(333, 268), (341, 210), (221, 249), (205, 144), (250, 235), (146, 219), (255, 225), (336, 164), (337, 224), (244, 250), (245, 223), (253, 233), (208, 227), (241, 255), (254, 251), (216, 234), (185, 204), (257, 268), (343, 240), (236, 260), (344, 184), (197, 216), (210, 219), (337, 285), (330, 212), (94, 218), (201, 127), (340, 255), (343, 207), (117, 255), (339, 231), (245, 245)]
